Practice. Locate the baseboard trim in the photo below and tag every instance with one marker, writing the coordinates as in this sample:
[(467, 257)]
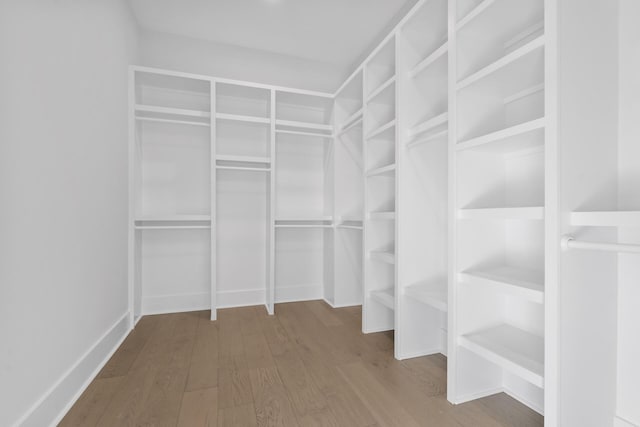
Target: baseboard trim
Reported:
[(525, 402), (299, 293), (421, 353), (618, 421), (175, 303), (242, 298), (53, 405), (478, 395)]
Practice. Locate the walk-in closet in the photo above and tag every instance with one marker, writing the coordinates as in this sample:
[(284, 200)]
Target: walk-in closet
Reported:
[(299, 213)]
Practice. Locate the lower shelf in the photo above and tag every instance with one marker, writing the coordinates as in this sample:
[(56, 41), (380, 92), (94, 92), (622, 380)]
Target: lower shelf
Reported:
[(515, 350), (382, 256), (433, 295), (385, 297)]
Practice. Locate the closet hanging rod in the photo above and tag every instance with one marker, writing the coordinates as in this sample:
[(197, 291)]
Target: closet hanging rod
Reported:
[(569, 242)]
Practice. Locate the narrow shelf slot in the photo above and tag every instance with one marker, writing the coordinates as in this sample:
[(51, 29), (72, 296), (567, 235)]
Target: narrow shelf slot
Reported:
[(380, 89), (433, 295), (528, 48), (240, 118), (522, 213), (383, 256), (515, 350), (605, 219), (521, 283), (380, 130), (385, 297), (430, 59), (429, 124), (504, 134), (388, 169)]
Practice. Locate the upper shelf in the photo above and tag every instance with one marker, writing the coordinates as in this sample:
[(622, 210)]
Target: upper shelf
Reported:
[(430, 59), (513, 138), (172, 115), (526, 284), (241, 118), (172, 222), (606, 219), (515, 350)]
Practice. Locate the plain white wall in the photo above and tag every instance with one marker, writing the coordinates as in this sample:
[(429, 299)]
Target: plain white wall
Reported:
[(63, 187), (179, 53)]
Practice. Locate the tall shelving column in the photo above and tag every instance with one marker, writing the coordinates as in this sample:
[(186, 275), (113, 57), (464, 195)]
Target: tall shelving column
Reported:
[(303, 222), (421, 324), (380, 135), (497, 178), (242, 196), (348, 194), (170, 192)]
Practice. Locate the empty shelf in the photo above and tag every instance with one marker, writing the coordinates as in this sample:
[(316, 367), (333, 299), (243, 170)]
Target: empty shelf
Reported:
[(321, 222), (242, 159), (302, 133), (505, 134), (433, 295), (304, 125), (606, 219), (525, 213), (385, 297), (526, 284), (354, 224), (429, 138), (515, 350), (382, 256), (382, 129), (382, 170), (172, 115), (380, 89), (475, 12), (382, 215), (352, 121), (176, 222), (426, 62), (536, 43), (429, 124), (246, 119)]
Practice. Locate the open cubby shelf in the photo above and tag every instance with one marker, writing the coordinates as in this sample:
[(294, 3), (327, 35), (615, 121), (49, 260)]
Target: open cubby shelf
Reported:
[(507, 280), (385, 297), (433, 295)]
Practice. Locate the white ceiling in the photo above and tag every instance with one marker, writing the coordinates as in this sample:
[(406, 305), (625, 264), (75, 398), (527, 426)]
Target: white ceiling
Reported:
[(338, 32)]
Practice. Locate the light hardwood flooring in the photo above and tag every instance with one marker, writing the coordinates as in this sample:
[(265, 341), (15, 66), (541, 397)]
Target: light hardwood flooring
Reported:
[(309, 365)]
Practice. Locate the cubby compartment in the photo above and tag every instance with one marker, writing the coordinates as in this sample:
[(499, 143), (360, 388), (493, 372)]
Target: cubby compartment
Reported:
[(235, 101), (304, 113), (380, 69), (381, 111), (349, 102), (424, 37), (492, 30)]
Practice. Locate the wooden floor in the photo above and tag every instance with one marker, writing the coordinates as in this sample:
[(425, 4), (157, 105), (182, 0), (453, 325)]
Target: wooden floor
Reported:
[(308, 365)]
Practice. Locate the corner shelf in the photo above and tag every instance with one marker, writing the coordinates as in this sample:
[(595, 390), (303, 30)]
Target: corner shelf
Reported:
[(385, 297), (525, 284), (433, 295), (522, 213), (427, 139), (515, 350), (605, 219)]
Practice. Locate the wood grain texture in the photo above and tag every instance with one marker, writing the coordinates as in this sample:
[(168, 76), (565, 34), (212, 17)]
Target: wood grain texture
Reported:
[(309, 365)]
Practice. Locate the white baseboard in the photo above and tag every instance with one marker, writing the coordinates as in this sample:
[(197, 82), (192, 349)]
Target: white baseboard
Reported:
[(524, 401), (421, 353), (243, 298), (621, 422), (478, 395), (56, 402), (175, 303), (299, 293)]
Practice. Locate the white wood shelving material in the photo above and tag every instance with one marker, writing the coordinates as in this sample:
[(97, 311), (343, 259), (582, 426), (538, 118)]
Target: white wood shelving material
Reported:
[(382, 170), (302, 133), (519, 213), (243, 168), (242, 159), (172, 227), (380, 89), (521, 283), (351, 227), (388, 215), (385, 297), (524, 50), (504, 134), (174, 218), (433, 295), (428, 139), (352, 121), (353, 125), (430, 59), (178, 112), (304, 222), (515, 350), (474, 13), (303, 125), (383, 256), (174, 222), (381, 129), (429, 124), (172, 121), (605, 219), (241, 118)]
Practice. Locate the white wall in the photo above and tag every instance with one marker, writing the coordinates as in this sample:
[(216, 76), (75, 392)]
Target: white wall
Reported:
[(179, 53), (63, 197)]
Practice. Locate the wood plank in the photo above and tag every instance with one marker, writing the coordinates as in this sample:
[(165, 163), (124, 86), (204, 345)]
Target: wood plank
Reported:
[(323, 312), (238, 416), (231, 344), (93, 402), (431, 376), (270, 399), (257, 351), (381, 403), (199, 408), (234, 387), (203, 370)]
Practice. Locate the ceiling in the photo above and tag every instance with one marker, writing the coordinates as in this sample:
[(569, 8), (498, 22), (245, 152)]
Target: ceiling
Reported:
[(338, 32)]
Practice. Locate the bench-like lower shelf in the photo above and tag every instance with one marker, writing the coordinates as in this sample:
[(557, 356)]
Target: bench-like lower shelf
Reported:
[(385, 297)]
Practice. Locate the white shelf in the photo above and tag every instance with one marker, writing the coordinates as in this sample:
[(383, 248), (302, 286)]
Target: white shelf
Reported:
[(352, 120), (304, 222), (172, 227), (175, 218), (525, 213), (349, 227), (382, 215), (240, 118), (427, 139), (244, 168), (173, 121), (382, 170), (605, 219), (353, 125), (172, 115), (433, 295), (513, 349), (304, 125), (390, 124), (430, 59), (474, 13), (382, 256), (242, 159), (302, 133), (526, 49), (385, 297), (526, 284), (429, 124), (512, 132), (380, 89), (177, 222)]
